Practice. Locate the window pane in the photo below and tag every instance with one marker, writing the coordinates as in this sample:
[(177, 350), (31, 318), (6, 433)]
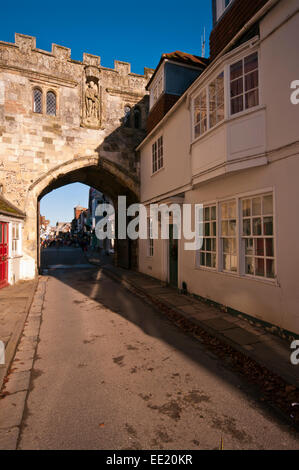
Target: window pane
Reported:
[(259, 247), (226, 262), (213, 213), (268, 226), (236, 87), (224, 211), (232, 210), (256, 206), (249, 249), (251, 81), (269, 247), (251, 99), (213, 119), (249, 266), (224, 228), (260, 267), (226, 245), (270, 269), (213, 261), (37, 101), (236, 70), (197, 131), (207, 230), (251, 62), (209, 260), (268, 205), (51, 103), (237, 105), (207, 213), (214, 229), (208, 244), (246, 208), (246, 227), (232, 227), (257, 226), (220, 82), (202, 259)]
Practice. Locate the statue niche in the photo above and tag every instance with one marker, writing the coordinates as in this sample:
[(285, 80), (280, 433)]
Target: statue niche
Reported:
[(91, 103)]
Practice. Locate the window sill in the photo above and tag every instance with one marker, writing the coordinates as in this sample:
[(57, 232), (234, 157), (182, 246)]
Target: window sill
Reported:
[(269, 282)]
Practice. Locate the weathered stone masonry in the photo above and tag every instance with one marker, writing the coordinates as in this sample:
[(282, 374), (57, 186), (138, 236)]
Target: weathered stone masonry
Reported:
[(86, 141)]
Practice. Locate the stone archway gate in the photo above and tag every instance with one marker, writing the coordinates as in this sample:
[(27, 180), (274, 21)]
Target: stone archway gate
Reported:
[(86, 140)]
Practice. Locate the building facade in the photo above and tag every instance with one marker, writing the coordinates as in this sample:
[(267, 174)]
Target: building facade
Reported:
[(231, 144)]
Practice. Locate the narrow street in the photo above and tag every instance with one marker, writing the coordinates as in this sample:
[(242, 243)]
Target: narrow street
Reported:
[(112, 373)]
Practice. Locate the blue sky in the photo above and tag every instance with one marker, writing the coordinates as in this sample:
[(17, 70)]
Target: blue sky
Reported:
[(136, 32)]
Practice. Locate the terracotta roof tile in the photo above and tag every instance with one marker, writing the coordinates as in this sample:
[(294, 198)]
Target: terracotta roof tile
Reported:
[(182, 58)]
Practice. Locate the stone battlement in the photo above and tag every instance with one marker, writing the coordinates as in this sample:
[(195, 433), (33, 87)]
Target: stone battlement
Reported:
[(26, 45)]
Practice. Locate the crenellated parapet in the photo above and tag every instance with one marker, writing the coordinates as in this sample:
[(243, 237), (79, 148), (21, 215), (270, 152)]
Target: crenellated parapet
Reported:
[(24, 55)]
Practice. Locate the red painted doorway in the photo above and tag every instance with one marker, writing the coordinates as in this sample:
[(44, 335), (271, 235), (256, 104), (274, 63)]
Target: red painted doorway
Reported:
[(3, 254)]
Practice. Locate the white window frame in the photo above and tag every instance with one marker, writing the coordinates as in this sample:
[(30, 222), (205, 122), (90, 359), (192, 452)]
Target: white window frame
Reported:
[(150, 240), (157, 155), (228, 87), (262, 236), (206, 89), (198, 252), (227, 99), (157, 87), (240, 245)]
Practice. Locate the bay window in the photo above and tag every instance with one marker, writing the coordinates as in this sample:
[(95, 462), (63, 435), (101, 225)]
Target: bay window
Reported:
[(244, 84)]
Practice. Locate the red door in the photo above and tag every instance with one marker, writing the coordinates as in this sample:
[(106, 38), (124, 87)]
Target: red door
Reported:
[(3, 254)]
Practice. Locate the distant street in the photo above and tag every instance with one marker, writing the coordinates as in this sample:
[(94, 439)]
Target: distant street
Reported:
[(113, 373)]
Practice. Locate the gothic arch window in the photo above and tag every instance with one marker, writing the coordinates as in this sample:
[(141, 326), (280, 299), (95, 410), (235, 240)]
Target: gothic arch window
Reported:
[(127, 116), (51, 103), (37, 100), (137, 118)]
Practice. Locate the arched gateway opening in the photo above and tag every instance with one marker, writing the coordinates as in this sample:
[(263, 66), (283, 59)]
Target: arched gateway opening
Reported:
[(99, 173), (65, 122)]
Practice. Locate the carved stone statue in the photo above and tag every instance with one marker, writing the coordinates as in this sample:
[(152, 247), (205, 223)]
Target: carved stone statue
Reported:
[(91, 114)]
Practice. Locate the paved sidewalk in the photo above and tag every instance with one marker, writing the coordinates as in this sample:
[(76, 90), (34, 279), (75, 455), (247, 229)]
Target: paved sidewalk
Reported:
[(256, 343), (15, 302)]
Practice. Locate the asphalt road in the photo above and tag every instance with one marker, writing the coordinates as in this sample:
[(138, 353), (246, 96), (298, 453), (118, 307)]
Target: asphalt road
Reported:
[(113, 373)]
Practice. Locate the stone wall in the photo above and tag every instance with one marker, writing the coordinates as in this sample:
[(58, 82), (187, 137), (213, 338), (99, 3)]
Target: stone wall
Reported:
[(85, 141)]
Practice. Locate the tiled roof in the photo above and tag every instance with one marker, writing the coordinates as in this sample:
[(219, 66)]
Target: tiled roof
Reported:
[(6, 208), (182, 58), (185, 58)]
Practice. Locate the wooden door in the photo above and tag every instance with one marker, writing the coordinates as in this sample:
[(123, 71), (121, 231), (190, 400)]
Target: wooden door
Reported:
[(3, 254)]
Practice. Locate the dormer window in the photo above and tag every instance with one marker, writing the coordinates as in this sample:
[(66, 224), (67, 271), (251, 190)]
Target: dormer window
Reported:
[(157, 88), (221, 6)]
